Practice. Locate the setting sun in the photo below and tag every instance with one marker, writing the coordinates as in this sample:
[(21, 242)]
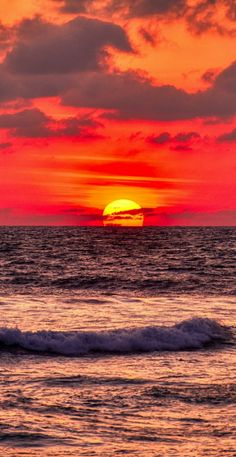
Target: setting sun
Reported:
[(126, 213)]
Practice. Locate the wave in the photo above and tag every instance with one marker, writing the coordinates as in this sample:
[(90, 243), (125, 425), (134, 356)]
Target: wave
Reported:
[(203, 393), (195, 333)]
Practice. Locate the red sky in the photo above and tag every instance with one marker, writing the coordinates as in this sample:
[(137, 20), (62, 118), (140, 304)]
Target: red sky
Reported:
[(104, 99)]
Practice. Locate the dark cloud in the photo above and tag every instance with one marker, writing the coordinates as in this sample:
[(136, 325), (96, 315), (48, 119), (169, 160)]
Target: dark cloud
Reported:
[(147, 36), (209, 76), (126, 95), (231, 11), (41, 86), (231, 136), (147, 8), (131, 97), (78, 45), (33, 123), (22, 87), (133, 212), (226, 80), (4, 146), (74, 6), (202, 16), (8, 86), (180, 142), (70, 127), (186, 137), (160, 139), (83, 128), (182, 148), (128, 8), (5, 36), (44, 63)]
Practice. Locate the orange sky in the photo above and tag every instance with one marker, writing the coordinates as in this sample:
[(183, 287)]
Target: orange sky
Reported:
[(100, 103)]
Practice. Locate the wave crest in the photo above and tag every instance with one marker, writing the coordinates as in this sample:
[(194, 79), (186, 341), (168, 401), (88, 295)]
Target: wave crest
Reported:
[(192, 334)]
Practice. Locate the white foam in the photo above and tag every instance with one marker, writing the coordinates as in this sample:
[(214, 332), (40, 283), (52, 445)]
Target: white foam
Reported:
[(190, 334)]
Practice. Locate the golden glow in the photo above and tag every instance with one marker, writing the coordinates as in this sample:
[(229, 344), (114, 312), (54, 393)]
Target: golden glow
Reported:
[(125, 213)]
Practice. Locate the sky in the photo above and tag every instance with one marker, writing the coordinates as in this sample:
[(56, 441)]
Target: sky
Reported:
[(103, 100)]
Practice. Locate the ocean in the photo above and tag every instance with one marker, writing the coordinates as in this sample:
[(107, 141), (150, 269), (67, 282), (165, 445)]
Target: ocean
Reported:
[(117, 341)]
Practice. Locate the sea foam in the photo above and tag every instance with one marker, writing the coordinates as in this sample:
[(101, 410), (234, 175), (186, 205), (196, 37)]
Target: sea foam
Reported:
[(192, 334)]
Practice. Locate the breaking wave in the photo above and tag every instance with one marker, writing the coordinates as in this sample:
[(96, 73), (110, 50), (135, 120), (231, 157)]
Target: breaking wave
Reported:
[(194, 333)]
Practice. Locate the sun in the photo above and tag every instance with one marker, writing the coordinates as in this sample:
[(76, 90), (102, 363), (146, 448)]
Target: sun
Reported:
[(124, 213)]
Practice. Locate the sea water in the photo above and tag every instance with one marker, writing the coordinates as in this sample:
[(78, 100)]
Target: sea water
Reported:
[(117, 341)]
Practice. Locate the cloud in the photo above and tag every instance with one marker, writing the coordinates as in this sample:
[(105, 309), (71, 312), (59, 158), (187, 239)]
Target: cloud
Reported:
[(51, 60), (8, 90), (186, 137), (127, 8), (202, 16), (126, 95), (130, 96), (25, 123), (83, 127), (132, 212), (147, 36), (21, 88), (226, 80), (147, 8), (33, 123), (162, 138), (5, 36), (180, 142), (76, 46), (231, 136), (182, 148), (209, 76), (5, 146), (74, 6)]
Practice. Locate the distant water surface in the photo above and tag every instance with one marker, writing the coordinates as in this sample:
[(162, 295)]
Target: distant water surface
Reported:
[(143, 261), (117, 342)]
